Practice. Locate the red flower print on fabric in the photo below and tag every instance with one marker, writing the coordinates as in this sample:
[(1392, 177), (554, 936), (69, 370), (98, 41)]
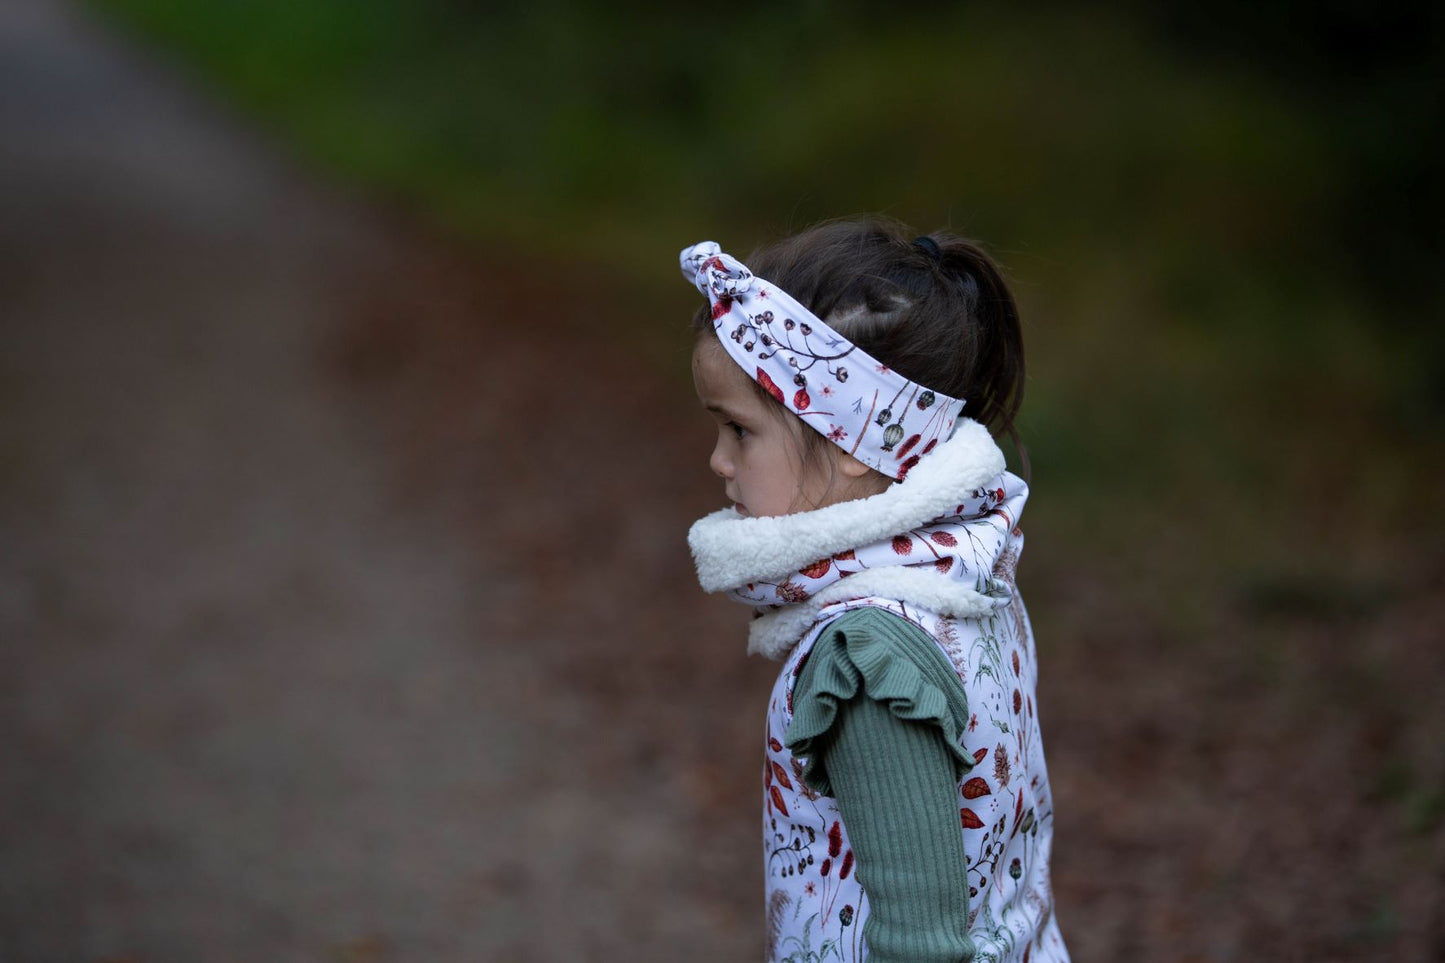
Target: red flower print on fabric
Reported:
[(818, 569), (770, 386)]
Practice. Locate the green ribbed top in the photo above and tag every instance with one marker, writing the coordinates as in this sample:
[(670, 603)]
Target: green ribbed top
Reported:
[(878, 712)]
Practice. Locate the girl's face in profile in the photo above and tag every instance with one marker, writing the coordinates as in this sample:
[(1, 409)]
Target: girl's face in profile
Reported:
[(759, 451)]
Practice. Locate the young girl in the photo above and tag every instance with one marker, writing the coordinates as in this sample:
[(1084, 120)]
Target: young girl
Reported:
[(907, 814)]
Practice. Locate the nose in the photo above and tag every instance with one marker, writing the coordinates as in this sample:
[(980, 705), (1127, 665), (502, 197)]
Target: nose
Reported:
[(719, 462)]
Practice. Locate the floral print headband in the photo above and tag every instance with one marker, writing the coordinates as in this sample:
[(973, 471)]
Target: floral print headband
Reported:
[(861, 405)]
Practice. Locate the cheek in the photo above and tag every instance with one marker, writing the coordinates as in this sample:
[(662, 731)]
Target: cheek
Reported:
[(776, 467)]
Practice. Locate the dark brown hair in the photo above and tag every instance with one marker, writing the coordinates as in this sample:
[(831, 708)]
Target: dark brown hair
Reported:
[(940, 314)]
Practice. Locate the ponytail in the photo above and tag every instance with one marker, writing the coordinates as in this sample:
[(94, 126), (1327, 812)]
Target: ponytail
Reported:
[(993, 340)]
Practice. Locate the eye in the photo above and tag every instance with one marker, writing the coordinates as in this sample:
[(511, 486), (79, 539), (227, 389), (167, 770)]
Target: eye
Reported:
[(738, 429)]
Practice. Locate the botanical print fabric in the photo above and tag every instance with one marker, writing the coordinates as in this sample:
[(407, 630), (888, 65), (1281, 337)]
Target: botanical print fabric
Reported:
[(880, 417), (816, 907)]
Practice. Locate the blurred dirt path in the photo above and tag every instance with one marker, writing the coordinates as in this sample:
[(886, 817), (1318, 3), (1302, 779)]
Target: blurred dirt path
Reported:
[(290, 670)]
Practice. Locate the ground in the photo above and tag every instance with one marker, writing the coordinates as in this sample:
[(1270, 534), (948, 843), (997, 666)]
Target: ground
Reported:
[(346, 613)]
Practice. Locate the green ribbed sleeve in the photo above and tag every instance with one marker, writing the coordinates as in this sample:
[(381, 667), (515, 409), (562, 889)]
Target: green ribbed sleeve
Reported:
[(878, 711)]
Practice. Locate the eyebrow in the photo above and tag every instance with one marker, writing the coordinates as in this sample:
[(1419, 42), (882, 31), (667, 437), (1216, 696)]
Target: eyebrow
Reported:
[(720, 410)]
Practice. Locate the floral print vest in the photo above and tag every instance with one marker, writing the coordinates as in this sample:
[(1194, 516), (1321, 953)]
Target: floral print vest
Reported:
[(816, 907)]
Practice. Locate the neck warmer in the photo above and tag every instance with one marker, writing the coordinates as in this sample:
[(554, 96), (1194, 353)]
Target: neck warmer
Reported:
[(945, 538)]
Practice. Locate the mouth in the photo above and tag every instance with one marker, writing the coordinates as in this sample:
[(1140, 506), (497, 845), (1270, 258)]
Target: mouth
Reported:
[(740, 508)]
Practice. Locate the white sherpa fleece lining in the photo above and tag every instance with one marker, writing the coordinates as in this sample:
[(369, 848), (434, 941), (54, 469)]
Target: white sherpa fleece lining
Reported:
[(731, 550)]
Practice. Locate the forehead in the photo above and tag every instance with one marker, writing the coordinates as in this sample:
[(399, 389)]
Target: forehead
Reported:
[(716, 375)]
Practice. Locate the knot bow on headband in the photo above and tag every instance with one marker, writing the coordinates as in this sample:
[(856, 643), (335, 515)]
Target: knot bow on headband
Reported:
[(716, 274), (840, 391)]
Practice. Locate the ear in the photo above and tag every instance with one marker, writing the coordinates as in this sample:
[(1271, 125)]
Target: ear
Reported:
[(852, 467)]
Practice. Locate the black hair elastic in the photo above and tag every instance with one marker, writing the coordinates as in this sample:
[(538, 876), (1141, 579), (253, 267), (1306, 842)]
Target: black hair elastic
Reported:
[(928, 246)]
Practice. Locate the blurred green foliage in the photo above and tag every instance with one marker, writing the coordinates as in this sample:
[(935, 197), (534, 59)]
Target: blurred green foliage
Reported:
[(1223, 221), (1062, 129)]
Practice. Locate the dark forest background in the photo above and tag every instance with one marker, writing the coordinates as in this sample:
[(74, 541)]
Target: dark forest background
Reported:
[(299, 661)]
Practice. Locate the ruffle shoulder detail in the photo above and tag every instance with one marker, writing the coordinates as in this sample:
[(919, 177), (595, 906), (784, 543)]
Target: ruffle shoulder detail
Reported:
[(887, 659)]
